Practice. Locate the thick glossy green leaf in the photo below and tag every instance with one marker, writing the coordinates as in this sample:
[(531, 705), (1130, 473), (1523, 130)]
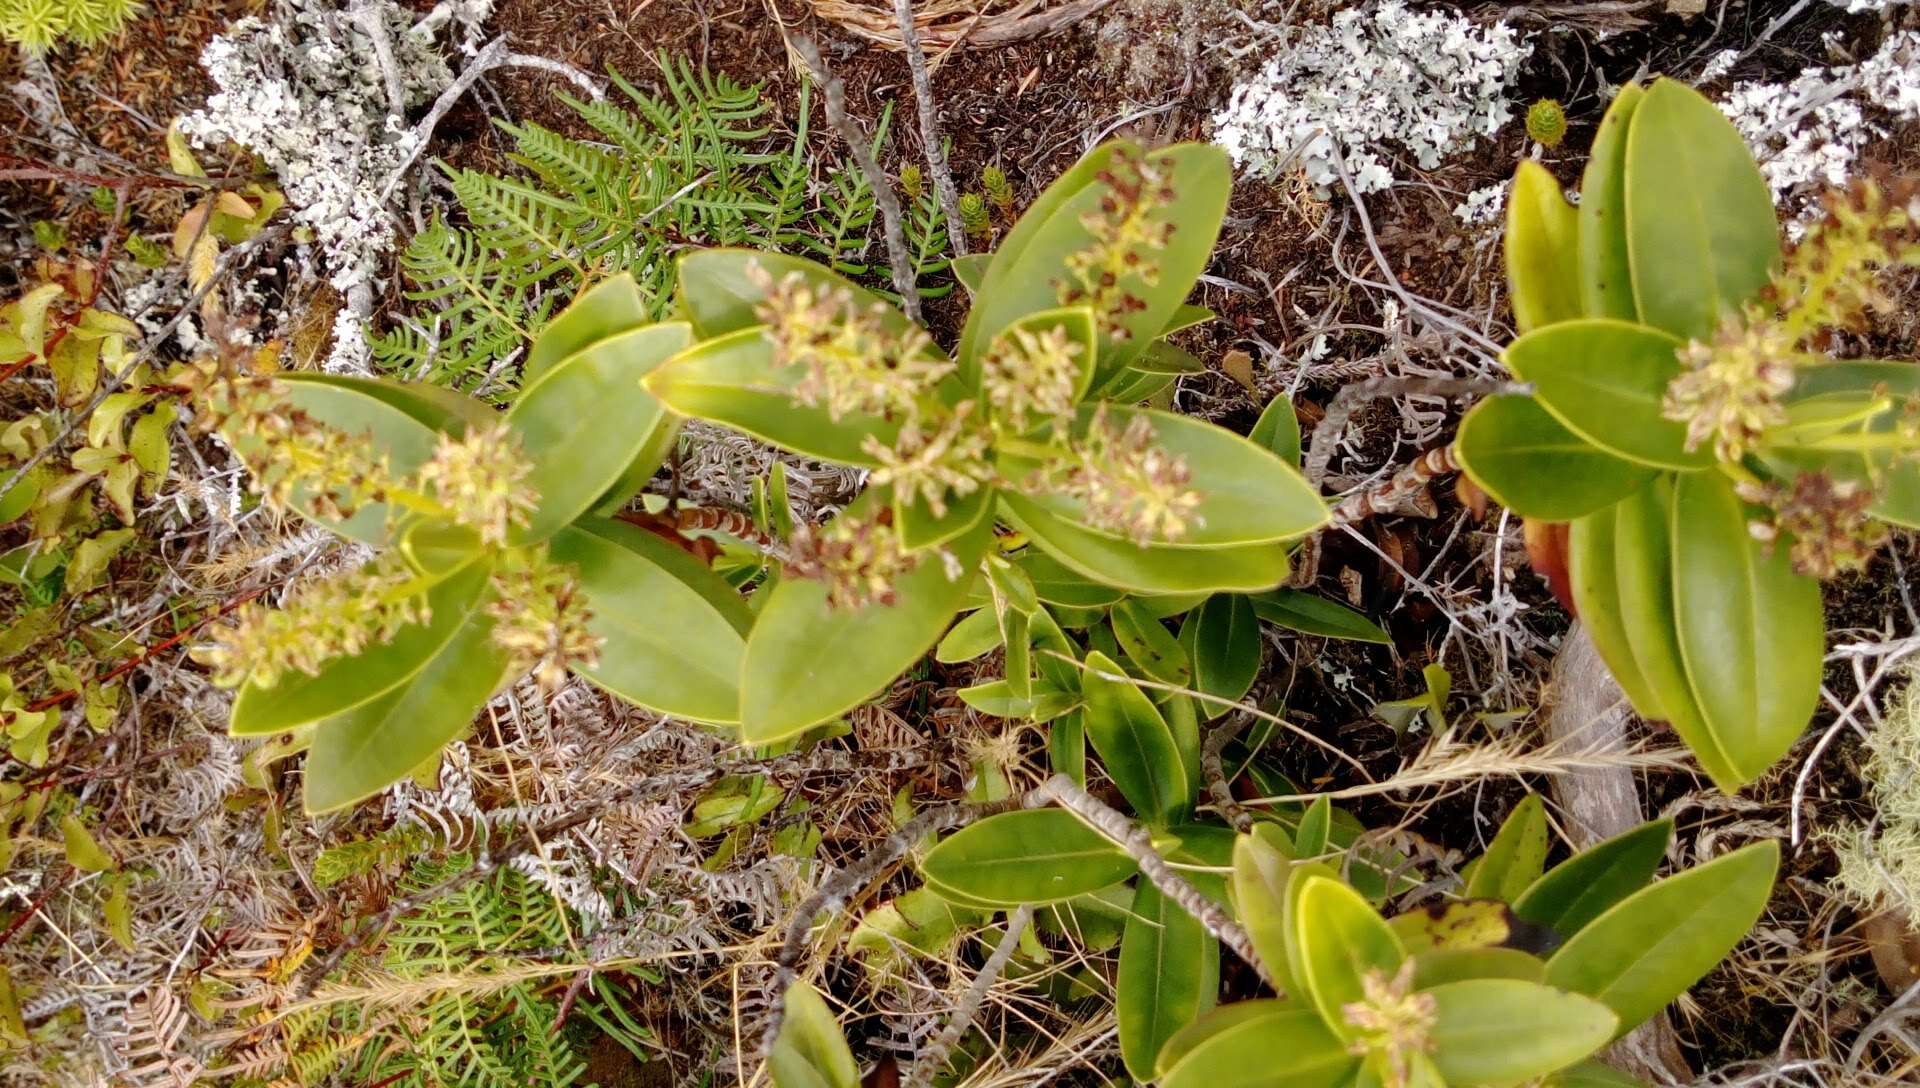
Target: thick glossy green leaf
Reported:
[(1455, 923), (370, 747), (1298, 610), (607, 309), (1056, 583), (971, 270), (720, 296), (1516, 857), (917, 923), (1031, 261), (1262, 860), (1031, 856), (1148, 644), (1340, 941), (1152, 569), (1542, 250), (1438, 966), (406, 442), (1606, 273), (438, 408), (733, 380), (1067, 746), (1169, 974), (1534, 466), (1222, 639), (1315, 826), (811, 1051), (1163, 358), (920, 528), (348, 682), (1039, 703), (1278, 429), (1186, 317), (1135, 386), (1649, 948), (807, 663), (1588, 884), (1248, 495), (1643, 572), (1134, 742), (586, 419), (1594, 572), (1702, 233), (1750, 629), (1256, 1044), (977, 633), (1605, 380), (689, 667), (1501, 1031)]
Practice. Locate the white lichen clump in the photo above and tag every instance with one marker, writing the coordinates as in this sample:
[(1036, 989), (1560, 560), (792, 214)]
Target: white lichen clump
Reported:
[(1880, 863), (1373, 80), (302, 90), (1807, 133)]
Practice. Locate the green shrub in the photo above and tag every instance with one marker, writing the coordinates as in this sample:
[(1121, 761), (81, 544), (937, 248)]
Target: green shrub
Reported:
[(1713, 462)]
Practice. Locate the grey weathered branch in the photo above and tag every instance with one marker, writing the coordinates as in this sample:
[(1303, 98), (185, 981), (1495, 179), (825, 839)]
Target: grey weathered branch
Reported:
[(956, 1027), (937, 166), (839, 889), (1137, 841), (898, 257), (1215, 774)]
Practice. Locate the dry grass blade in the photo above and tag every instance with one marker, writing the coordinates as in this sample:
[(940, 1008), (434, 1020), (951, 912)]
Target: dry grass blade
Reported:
[(946, 24)]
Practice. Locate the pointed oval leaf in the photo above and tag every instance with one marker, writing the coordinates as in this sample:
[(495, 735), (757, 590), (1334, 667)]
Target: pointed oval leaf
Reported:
[(1278, 429), (733, 380), (807, 663), (1261, 863), (1248, 495), (1341, 940), (348, 682), (1256, 1044), (1222, 639), (1516, 857), (1502, 1031), (1148, 644), (1533, 465), (1542, 250), (1056, 583), (1750, 629), (1438, 966), (1650, 947), (1134, 743), (1169, 974), (811, 1051), (436, 408), (720, 296), (1605, 381), (1151, 569), (1643, 573), (1702, 234), (1298, 610), (370, 747), (1032, 260), (688, 668), (1588, 884), (1033, 856), (607, 309), (977, 633), (1594, 572), (1606, 272), (584, 421)]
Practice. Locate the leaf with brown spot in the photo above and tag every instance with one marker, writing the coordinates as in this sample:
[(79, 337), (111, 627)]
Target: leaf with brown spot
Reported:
[(1547, 554)]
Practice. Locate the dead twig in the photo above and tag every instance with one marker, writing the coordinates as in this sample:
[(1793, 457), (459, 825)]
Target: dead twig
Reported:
[(930, 128), (898, 256), (956, 1027), (1137, 841)]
